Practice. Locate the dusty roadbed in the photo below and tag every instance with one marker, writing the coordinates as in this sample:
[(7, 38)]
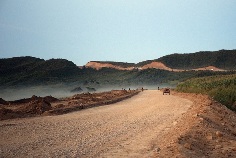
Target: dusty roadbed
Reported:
[(149, 124), (88, 100), (41, 106), (123, 129)]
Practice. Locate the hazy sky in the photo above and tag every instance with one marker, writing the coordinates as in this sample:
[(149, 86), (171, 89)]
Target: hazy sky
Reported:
[(114, 30)]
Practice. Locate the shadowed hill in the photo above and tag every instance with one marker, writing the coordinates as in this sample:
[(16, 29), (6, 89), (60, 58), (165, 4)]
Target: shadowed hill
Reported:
[(28, 71), (18, 64), (224, 59)]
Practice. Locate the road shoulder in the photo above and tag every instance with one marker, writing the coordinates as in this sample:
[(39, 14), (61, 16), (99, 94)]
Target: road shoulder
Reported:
[(207, 129)]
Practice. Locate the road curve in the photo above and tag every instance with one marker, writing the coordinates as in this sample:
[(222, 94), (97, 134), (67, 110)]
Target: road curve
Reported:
[(124, 129)]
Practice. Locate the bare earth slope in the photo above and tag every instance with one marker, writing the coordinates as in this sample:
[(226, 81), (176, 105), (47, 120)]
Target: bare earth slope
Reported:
[(154, 64), (206, 130), (129, 128)]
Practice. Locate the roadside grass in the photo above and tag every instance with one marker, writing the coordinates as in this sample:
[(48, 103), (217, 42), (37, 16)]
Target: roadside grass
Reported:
[(221, 87)]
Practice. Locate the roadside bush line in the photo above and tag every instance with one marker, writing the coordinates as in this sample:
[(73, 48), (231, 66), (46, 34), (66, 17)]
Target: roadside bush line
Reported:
[(221, 88)]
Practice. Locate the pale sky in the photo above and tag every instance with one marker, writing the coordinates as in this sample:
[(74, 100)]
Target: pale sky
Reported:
[(114, 30)]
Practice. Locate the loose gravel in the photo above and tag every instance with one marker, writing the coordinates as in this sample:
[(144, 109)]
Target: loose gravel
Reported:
[(124, 129)]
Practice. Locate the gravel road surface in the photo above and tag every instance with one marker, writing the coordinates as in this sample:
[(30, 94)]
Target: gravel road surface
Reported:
[(124, 129)]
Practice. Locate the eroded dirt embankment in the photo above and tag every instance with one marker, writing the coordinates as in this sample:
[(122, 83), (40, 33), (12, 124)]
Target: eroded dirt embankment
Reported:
[(38, 106), (207, 129)]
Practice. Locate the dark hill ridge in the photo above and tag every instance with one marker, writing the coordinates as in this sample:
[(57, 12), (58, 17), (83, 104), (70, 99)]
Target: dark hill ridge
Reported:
[(223, 59), (31, 63), (34, 71), (21, 70), (11, 65)]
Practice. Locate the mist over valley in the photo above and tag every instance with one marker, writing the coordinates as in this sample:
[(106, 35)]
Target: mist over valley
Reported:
[(22, 77)]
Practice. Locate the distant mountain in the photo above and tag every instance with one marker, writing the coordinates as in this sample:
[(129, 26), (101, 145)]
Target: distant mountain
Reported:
[(20, 70), (215, 60), (222, 59), (114, 65), (168, 69)]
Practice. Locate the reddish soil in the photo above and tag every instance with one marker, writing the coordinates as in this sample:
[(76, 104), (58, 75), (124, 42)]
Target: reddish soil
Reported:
[(212, 68), (150, 124), (98, 66), (37, 106), (123, 129), (207, 129), (155, 65)]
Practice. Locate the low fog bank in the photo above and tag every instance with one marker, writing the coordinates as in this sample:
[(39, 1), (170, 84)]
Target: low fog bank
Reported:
[(61, 91), (11, 94)]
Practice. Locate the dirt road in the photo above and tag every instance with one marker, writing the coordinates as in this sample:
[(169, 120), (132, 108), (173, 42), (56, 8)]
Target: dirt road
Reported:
[(124, 129)]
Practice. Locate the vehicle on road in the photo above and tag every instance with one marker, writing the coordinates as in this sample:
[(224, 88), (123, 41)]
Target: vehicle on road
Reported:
[(166, 90)]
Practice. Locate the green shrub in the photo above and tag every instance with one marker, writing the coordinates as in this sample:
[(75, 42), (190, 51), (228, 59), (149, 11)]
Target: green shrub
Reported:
[(222, 88)]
